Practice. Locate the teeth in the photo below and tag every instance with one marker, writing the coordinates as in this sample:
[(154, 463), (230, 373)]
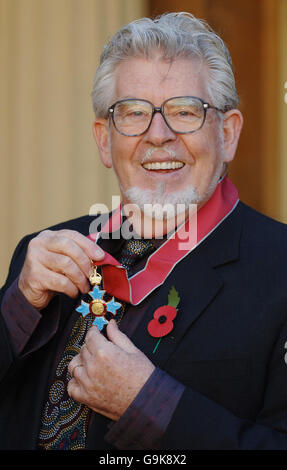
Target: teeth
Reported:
[(163, 165)]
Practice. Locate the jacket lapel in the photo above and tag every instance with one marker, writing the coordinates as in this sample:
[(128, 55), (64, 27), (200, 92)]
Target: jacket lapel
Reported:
[(197, 284), (197, 281)]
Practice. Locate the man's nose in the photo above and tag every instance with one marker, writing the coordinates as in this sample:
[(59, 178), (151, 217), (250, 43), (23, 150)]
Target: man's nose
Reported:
[(159, 132)]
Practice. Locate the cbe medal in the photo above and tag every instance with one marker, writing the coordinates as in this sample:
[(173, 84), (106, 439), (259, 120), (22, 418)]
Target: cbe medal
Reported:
[(97, 306)]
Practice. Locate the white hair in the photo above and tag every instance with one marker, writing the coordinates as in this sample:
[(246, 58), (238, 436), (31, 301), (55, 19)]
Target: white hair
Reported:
[(175, 35)]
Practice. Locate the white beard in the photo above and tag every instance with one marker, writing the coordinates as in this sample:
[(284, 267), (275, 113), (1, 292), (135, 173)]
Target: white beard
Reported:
[(160, 205)]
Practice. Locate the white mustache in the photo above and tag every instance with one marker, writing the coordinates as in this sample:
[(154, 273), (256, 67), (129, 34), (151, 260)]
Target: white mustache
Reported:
[(152, 150)]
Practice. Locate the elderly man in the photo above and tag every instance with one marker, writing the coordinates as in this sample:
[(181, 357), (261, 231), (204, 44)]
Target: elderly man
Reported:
[(169, 345)]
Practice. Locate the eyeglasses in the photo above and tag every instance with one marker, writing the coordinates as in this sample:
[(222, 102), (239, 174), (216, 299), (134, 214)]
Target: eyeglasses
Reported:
[(182, 114)]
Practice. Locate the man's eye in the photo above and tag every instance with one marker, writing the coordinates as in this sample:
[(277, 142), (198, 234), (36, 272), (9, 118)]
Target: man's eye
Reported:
[(134, 114), (184, 113)]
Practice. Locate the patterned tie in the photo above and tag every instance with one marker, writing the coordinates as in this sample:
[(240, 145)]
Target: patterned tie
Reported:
[(65, 421), (134, 250)]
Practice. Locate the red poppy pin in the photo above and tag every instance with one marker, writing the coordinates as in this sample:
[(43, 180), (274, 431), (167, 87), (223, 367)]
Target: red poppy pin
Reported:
[(162, 322)]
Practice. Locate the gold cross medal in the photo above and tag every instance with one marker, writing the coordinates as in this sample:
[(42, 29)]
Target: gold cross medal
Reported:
[(98, 306)]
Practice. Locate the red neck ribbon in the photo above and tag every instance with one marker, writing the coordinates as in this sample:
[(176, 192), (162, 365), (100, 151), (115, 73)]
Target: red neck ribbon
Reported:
[(161, 262)]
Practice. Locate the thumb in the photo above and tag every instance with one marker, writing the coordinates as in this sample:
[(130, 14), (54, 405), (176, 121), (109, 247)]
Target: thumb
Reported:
[(118, 338)]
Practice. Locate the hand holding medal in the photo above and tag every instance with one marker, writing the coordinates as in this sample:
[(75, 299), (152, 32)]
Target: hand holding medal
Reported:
[(57, 262), (98, 306), (106, 362)]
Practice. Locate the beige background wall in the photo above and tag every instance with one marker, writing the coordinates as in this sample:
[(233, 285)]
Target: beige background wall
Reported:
[(50, 170), (283, 109)]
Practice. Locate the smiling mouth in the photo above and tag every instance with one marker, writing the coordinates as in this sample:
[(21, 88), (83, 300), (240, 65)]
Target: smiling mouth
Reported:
[(167, 165)]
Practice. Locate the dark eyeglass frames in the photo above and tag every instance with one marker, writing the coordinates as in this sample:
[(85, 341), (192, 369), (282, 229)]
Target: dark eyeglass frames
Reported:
[(182, 114)]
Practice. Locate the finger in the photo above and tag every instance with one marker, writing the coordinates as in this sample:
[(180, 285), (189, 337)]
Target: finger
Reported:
[(61, 284), (78, 371), (57, 242), (92, 250), (74, 363), (75, 390), (120, 339), (85, 354), (74, 244), (50, 281), (63, 264), (81, 359), (95, 341)]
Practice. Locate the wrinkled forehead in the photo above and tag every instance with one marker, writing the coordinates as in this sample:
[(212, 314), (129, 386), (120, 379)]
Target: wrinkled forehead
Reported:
[(160, 77)]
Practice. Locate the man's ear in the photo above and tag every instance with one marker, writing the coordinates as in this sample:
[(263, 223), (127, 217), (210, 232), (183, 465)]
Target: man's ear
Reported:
[(101, 135), (232, 125)]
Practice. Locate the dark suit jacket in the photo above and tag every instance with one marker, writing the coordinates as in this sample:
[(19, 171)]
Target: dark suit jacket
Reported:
[(227, 346)]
